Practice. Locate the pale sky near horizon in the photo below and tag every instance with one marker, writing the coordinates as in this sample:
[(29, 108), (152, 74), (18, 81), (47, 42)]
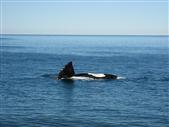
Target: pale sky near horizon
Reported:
[(139, 17)]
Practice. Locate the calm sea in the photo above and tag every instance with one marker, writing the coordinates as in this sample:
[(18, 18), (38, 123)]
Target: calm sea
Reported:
[(31, 97)]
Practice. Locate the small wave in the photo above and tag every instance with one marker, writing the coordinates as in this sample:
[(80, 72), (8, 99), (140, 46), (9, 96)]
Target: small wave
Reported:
[(48, 75), (165, 79)]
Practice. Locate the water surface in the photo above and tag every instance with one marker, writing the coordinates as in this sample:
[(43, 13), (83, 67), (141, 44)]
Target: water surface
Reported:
[(31, 97)]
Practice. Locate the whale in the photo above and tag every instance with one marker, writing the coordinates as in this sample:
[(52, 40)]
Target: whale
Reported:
[(68, 73)]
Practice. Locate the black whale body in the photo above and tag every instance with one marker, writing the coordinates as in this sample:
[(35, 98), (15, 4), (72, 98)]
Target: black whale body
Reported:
[(68, 73)]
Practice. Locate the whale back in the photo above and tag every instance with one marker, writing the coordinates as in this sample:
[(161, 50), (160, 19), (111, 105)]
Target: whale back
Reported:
[(67, 71)]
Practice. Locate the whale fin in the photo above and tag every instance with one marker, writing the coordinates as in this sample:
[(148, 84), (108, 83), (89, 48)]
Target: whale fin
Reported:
[(67, 71)]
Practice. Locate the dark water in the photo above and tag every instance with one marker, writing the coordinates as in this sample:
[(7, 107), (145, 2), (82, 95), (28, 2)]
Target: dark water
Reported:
[(30, 97)]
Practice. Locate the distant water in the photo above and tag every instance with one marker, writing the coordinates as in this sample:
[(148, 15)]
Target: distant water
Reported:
[(30, 97)]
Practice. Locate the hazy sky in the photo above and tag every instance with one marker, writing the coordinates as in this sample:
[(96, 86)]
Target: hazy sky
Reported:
[(96, 17)]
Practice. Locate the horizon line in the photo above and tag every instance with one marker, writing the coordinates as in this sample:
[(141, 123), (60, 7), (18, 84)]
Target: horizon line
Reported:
[(84, 1), (27, 34)]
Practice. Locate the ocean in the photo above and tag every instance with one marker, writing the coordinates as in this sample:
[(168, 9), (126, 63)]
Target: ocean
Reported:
[(30, 96)]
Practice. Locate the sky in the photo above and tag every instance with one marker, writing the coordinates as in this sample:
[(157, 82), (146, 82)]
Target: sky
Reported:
[(82, 17)]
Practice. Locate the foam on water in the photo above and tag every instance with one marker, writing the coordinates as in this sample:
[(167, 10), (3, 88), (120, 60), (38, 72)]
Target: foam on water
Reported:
[(120, 77)]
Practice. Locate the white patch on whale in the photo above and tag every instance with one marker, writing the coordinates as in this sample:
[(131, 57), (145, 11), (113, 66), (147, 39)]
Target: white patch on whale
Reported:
[(81, 78), (97, 75)]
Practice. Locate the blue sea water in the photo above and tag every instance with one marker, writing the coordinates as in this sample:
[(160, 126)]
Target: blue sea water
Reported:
[(31, 97)]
